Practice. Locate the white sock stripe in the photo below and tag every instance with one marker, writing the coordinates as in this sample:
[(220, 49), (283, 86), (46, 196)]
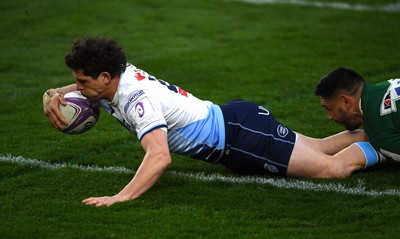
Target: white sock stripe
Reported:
[(285, 183)]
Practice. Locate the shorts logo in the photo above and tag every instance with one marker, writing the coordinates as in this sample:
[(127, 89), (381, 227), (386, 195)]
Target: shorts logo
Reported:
[(282, 131), (139, 108), (263, 111), (271, 168)]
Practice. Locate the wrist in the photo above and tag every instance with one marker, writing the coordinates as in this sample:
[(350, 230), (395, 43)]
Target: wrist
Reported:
[(123, 197)]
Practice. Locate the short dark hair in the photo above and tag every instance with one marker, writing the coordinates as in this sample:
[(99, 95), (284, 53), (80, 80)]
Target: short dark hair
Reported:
[(339, 80), (94, 55)]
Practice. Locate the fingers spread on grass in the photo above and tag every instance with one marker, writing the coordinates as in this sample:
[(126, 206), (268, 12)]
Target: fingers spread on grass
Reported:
[(99, 201)]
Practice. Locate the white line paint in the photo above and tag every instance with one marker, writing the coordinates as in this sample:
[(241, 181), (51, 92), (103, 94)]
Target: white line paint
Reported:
[(390, 7), (285, 183)]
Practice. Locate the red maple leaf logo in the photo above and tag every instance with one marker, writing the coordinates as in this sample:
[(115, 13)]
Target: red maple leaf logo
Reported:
[(139, 76)]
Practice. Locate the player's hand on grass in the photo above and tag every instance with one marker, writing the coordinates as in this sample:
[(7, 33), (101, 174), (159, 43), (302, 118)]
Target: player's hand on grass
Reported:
[(103, 201), (51, 102)]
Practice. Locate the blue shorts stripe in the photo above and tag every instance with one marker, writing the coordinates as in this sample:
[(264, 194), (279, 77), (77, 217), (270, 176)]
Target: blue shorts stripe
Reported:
[(256, 156), (262, 133)]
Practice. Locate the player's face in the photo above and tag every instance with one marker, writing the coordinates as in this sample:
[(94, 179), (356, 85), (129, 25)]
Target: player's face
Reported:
[(338, 112), (91, 88)]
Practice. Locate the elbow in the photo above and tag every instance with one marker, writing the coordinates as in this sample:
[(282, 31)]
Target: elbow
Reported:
[(160, 159), (166, 160)]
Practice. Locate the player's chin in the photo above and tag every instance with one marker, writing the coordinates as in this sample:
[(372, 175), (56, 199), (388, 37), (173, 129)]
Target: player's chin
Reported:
[(351, 127), (93, 97), (89, 97), (85, 94)]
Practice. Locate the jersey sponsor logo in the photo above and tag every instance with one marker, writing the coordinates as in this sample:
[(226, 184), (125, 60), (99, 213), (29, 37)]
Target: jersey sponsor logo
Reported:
[(146, 121), (139, 108), (132, 98), (282, 131), (392, 94), (396, 89), (387, 102), (143, 114)]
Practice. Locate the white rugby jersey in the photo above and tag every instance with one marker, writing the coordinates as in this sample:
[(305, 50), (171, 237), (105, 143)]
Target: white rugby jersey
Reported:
[(143, 103)]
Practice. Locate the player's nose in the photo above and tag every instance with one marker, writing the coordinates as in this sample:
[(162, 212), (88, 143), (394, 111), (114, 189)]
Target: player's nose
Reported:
[(79, 86)]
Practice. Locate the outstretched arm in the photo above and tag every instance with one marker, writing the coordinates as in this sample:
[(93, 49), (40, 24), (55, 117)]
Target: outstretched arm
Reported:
[(155, 162), (52, 99)]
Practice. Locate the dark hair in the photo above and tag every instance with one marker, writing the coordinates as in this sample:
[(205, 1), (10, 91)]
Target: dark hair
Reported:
[(94, 55), (339, 80)]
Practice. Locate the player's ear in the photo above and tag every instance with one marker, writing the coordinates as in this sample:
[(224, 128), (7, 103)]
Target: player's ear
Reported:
[(105, 77), (347, 101)]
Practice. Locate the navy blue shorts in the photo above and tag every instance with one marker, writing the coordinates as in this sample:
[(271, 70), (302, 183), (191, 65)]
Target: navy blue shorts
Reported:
[(256, 143)]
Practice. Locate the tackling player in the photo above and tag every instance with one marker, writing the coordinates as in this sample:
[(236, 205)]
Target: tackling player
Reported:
[(351, 101), (240, 135)]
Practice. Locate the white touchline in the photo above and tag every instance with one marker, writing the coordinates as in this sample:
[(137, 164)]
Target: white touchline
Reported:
[(300, 184), (390, 7)]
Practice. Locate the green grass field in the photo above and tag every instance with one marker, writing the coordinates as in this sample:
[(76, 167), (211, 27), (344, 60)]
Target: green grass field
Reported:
[(272, 54)]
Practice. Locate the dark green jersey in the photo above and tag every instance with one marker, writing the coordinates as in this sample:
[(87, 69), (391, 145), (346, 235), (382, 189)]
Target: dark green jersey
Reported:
[(380, 105)]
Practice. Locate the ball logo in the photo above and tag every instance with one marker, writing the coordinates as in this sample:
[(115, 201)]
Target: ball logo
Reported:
[(81, 114), (282, 131), (88, 125), (139, 108)]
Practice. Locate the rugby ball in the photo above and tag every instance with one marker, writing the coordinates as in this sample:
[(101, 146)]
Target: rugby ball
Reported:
[(81, 113)]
